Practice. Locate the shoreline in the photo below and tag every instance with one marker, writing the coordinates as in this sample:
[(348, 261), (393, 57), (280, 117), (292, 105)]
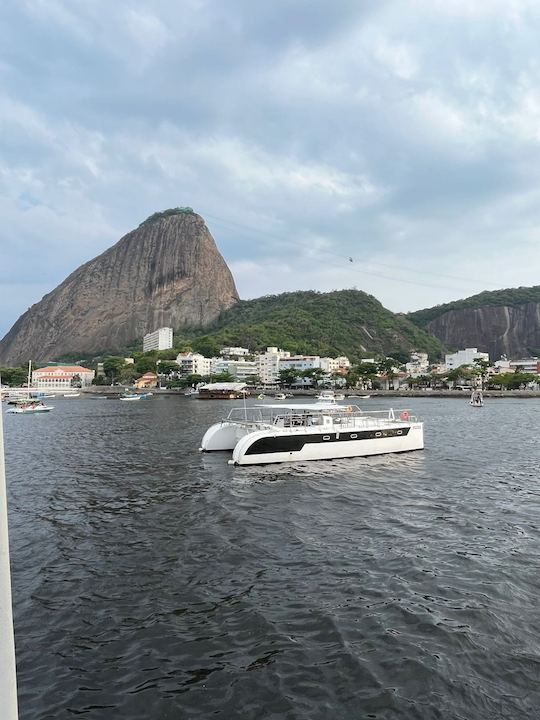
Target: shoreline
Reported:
[(458, 394)]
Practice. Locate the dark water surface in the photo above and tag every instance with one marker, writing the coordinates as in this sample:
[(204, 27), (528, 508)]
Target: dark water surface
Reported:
[(154, 582)]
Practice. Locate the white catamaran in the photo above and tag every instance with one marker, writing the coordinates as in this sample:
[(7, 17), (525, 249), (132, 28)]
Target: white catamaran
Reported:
[(316, 431)]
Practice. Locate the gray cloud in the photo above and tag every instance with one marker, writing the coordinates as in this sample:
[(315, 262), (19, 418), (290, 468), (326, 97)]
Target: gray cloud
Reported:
[(402, 134)]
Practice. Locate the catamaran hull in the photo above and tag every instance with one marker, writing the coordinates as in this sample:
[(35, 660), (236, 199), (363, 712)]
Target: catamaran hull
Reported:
[(262, 447), (222, 436)]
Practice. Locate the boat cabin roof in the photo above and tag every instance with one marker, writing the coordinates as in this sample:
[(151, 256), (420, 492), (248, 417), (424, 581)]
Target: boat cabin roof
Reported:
[(311, 407)]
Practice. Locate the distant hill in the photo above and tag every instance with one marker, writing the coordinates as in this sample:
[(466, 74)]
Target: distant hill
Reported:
[(348, 322), (168, 271), (501, 322)]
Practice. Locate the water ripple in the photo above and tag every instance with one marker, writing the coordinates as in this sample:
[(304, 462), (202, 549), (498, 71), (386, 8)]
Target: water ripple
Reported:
[(152, 581)]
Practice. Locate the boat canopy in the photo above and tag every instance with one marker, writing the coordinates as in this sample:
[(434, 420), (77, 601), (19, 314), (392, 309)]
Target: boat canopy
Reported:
[(313, 407)]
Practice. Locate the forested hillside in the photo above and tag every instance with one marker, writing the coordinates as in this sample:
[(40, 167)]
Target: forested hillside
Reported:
[(346, 322)]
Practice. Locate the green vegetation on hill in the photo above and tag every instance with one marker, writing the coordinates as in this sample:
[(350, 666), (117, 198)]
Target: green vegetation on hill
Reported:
[(511, 297), (347, 322), (167, 213)]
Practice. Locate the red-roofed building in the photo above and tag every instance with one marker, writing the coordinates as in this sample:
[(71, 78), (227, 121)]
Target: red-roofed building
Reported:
[(148, 380), (61, 377)]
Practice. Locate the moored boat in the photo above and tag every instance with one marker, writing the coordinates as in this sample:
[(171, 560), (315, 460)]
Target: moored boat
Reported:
[(315, 431), (29, 407)]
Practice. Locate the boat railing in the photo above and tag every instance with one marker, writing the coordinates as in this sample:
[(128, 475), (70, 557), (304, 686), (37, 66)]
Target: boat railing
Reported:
[(291, 418)]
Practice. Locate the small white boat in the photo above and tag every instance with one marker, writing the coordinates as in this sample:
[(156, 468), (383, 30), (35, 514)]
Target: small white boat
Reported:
[(329, 396), (477, 399), (280, 396), (316, 431), (72, 395), (30, 407), (135, 396)]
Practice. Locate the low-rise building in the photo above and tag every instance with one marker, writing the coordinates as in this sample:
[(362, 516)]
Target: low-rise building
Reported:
[(336, 365), (61, 377), (234, 351), (148, 380), (239, 369), (526, 365), (191, 363), (161, 339), (301, 363)]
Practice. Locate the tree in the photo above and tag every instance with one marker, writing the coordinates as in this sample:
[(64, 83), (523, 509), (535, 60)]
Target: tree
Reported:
[(287, 377), (458, 374), (315, 375), (14, 377), (167, 367), (76, 381), (129, 374), (113, 367), (146, 363), (387, 367), (365, 372), (480, 370), (222, 377)]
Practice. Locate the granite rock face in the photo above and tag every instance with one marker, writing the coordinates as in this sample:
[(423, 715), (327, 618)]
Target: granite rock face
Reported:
[(513, 331), (167, 272)]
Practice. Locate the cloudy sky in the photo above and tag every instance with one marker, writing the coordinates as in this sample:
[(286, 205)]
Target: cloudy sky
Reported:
[(404, 134)]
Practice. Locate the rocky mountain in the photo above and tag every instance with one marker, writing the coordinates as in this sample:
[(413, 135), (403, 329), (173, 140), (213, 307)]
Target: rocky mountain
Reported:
[(502, 322), (167, 272), (343, 322)]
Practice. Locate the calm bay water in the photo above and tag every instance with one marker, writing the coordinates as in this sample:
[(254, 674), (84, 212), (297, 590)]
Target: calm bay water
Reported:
[(151, 581)]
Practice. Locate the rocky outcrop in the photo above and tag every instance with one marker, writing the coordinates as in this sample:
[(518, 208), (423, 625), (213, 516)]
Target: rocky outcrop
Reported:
[(511, 330), (167, 272)]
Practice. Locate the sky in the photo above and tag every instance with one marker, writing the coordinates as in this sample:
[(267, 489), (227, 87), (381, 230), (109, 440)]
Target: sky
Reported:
[(390, 145)]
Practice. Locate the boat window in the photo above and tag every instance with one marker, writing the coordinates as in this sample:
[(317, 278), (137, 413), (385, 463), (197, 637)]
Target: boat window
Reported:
[(354, 436), (399, 432), (326, 437), (378, 434)]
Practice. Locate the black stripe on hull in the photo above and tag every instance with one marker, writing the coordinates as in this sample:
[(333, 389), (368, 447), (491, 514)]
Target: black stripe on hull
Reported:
[(295, 443)]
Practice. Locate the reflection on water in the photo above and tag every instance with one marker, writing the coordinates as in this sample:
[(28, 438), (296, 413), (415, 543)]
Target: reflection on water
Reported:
[(154, 581)]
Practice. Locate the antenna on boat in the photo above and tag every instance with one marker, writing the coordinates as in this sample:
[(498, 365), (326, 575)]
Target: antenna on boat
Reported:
[(8, 675)]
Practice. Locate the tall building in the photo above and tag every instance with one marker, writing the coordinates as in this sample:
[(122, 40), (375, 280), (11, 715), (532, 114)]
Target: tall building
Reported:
[(268, 364), (161, 339)]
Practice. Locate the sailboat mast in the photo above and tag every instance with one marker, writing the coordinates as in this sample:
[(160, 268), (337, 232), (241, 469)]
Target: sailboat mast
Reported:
[(29, 378)]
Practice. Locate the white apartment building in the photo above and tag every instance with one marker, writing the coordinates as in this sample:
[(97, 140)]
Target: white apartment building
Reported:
[(234, 351), (464, 357), (60, 377), (268, 364), (300, 363), (161, 339), (239, 369), (331, 365), (194, 364), (417, 365)]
